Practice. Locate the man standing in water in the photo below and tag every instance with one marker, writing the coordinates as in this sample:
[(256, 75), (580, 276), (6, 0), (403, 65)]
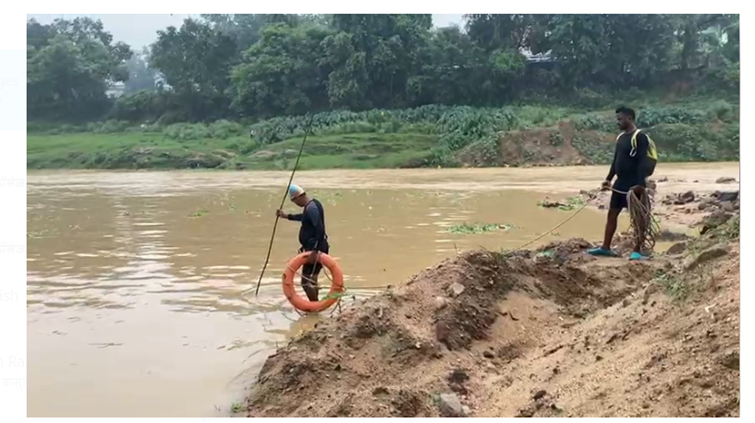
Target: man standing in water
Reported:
[(312, 236), (628, 167)]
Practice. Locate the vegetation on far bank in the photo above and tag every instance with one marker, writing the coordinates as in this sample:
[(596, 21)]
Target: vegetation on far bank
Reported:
[(427, 136), (386, 91)]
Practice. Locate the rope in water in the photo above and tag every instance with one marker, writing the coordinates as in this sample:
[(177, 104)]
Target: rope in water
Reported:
[(283, 201), (639, 212), (340, 295)]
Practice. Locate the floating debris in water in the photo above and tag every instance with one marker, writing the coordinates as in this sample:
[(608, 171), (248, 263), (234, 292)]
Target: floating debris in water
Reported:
[(199, 213), (479, 228), (570, 204)]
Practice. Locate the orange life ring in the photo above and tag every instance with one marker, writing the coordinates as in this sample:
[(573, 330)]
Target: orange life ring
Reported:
[(302, 303)]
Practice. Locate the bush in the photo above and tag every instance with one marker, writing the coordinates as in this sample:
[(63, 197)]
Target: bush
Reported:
[(696, 142), (187, 131), (604, 122), (652, 116), (223, 129), (108, 127)]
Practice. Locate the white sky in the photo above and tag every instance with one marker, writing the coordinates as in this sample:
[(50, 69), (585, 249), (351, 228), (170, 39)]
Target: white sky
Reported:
[(140, 30)]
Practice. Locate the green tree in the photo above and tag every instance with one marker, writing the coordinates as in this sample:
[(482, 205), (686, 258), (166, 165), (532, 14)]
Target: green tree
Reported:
[(372, 58), (195, 61), (244, 28), (280, 74), (452, 70), (70, 65), (609, 50), (504, 32)]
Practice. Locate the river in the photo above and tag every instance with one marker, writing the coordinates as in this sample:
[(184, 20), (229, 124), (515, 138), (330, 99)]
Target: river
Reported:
[(136, 280)]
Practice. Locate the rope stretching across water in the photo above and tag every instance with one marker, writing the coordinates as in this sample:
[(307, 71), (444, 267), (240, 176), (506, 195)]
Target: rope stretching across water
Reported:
[(641, 218)]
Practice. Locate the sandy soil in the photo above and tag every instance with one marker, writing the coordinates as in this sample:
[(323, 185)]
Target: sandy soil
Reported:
[(552, 332)]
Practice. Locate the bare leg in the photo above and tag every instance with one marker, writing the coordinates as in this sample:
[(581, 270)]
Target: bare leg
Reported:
[(612, 223)]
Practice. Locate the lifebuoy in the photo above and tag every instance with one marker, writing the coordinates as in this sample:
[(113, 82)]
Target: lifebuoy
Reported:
[(301, 303)]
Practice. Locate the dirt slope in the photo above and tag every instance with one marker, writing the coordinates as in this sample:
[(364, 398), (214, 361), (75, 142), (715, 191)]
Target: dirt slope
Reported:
[(555, 333)]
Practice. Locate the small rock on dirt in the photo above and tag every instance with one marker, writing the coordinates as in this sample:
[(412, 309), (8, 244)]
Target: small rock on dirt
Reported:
[(705, 205), (677, 248), (450, 406), (440, 302), (715, 220), (731, 360), (726, 195), (727, 206), (685, 198), (539, 394), (488, 354), (710, 254), (725, 180), (526, 412), (455, 289)]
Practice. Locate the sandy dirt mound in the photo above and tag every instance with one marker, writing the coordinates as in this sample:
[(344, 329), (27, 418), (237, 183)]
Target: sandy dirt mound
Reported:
[(527, 334), (552, 146), (545, 146)]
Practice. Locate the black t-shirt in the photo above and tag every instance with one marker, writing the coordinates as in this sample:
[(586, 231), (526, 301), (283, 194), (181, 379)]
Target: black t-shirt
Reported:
[(312, 233), (628, 162)]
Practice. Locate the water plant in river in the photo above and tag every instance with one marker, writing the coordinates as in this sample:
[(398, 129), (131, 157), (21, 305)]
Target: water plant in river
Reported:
[(478, 228), (570, 204), (199, 213)]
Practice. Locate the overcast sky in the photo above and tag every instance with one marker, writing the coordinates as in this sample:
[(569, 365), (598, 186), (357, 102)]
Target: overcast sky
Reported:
[(140, 30)]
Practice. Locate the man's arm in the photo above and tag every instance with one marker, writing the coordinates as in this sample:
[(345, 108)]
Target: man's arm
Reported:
[(295, 217), (640, 154), (612, 171)]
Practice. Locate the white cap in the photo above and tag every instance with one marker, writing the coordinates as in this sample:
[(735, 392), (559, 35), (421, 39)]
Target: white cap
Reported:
[(295, 191)]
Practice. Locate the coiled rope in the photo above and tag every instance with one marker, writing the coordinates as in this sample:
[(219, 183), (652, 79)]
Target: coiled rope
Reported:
[(644, 229)]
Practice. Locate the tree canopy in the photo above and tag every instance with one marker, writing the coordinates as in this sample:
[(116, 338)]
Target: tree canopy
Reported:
[(261, 66)]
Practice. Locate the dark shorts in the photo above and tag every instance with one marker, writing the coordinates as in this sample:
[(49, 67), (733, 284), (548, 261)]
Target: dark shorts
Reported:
[(618, 200)]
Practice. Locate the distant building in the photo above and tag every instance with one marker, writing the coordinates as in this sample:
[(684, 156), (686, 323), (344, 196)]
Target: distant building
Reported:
[(116, 90), (539, 57)]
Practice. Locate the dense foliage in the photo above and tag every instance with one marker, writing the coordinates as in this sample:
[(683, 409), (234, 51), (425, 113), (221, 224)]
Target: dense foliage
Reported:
[(262, 66)]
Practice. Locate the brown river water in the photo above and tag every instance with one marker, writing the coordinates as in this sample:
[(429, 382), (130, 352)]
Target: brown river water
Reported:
[(136, 280)]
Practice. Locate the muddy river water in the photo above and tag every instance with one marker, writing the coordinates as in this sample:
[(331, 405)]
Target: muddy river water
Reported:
[(136, 280)]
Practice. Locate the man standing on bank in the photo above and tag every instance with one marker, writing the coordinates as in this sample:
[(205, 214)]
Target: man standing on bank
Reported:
[(312, 236), (629, 167)]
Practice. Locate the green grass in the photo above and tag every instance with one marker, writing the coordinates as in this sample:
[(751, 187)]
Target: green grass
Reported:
[(352, 151), (673, 285), (157, 151)]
